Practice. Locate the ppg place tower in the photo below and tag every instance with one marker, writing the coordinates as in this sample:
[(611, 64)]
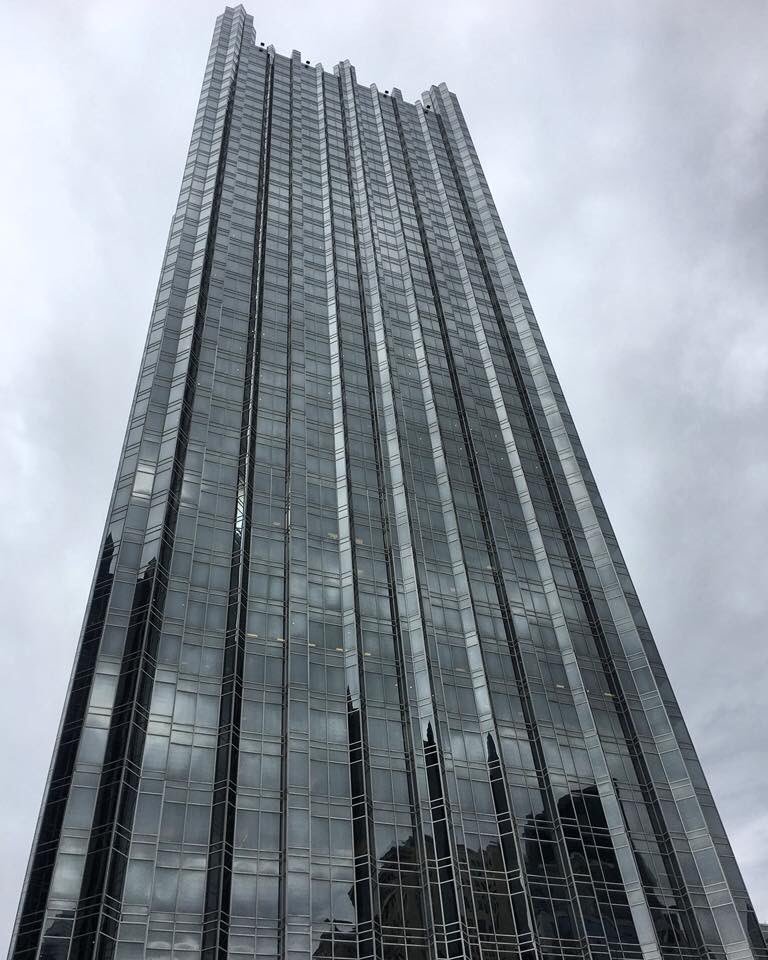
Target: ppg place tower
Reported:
[(362, 673)]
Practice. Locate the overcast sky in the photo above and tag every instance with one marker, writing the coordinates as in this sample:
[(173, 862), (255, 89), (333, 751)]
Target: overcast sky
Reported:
[(626, 145)]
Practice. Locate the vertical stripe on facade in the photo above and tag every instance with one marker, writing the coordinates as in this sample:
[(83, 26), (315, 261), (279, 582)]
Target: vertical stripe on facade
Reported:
[(447, 925), (218, 889)]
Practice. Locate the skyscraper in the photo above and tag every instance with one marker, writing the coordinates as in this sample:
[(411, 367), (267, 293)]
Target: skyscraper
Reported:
[(363, 674)]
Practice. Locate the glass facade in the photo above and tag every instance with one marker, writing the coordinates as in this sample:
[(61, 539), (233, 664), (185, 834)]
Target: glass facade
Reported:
[(363, 674)]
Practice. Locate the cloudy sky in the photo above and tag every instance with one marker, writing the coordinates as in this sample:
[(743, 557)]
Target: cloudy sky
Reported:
[(626, 145)]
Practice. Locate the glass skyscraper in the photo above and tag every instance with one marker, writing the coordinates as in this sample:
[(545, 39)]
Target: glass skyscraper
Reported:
[(362, 674)]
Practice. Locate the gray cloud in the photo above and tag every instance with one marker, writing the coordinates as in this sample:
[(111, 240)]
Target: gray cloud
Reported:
[(625, 144)]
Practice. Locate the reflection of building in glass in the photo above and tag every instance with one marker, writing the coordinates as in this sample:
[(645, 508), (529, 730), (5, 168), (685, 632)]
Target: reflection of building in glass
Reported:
[(363, 673)]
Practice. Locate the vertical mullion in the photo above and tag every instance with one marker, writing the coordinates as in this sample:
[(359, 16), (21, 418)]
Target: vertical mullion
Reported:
[(221, 840)]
